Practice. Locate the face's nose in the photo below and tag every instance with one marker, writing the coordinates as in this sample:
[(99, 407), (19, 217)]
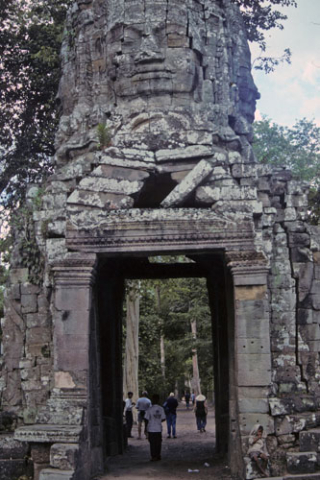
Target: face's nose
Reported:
[(151, 47)]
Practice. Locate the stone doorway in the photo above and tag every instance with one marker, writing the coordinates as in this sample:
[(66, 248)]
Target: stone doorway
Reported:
[(110, 292)]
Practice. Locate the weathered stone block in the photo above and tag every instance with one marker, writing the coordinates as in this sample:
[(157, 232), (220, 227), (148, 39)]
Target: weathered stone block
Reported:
[(286, 439), (282, 339), (283, 299), (253, 345), (54, 474), (284, 360), (285, 318), (243, 207), (286, 374), (310, 364), (18, 275), (309, 441), (290, 214), (301, 462), (38, 335), (56, 249), (29, 303), (281, 406), (67, 322), (253, 369), (249, 327), (38, 320), (74, 299), (253, 400), (64, 456), (248, 421), (67, 358), (310, 332), (188, 184), (305, 316), (301, 255), (299, 239)]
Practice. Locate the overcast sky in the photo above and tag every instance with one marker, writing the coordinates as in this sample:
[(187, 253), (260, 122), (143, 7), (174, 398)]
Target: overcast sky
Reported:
[(293, 91)]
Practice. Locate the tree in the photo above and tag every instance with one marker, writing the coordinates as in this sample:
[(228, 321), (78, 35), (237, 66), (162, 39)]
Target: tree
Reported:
[(131, 354), (167, 309), (259, 16), (297, 148), (30, 40)]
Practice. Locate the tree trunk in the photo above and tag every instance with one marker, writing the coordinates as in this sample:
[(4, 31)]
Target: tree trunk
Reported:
[(195, 382), (162, 351), (131, 361)]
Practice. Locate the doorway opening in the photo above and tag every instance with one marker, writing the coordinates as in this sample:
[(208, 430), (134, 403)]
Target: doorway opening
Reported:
[(193, 272)]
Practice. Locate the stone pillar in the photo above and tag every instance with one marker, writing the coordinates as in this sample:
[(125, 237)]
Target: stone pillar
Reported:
[(72, 317), (252, 356), (73, 279), (40, 453)]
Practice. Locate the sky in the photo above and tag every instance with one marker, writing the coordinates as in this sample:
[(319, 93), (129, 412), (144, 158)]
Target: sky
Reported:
[(292, 92)]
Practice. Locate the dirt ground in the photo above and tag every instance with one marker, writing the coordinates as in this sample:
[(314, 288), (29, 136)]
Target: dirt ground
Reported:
[(192, 450)]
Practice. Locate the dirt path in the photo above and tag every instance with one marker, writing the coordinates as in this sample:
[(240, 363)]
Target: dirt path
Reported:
[(190, 451)]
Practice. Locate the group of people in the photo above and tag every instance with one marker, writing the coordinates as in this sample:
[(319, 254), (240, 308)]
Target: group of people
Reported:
[(151, 414)]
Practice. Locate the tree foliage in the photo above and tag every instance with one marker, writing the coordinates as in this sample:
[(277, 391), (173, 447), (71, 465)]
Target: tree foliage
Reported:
[(181, 301), (296, 147), (259, 17), (30, 40)]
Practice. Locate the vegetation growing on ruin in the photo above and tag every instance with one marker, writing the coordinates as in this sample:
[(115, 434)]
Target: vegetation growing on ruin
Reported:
[(104, 136)]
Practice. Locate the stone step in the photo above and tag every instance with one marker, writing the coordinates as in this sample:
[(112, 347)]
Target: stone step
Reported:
[(301, 463), (310, 440), (307, 476), (54, 474)]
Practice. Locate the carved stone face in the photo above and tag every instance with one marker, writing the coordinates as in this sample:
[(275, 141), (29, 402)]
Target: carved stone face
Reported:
[(150, 60)]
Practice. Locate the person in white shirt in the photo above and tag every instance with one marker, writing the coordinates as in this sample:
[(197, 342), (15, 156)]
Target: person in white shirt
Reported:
[(143, 403), (257, 450), (154, 417), (128, 413)]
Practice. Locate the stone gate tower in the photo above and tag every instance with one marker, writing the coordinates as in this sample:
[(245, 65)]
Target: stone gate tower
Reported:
[(168, 86)]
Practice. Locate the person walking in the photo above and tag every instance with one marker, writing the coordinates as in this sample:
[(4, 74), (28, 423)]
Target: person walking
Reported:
[(143, 404), (128, 413), (171, 405), (154, 417), (201, 411), (187, 399)]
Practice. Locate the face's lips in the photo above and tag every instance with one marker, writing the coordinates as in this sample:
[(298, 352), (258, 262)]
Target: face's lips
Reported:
[(151, 70), (151, 76)]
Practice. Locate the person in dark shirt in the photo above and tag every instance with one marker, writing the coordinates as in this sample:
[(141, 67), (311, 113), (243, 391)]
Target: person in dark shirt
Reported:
[(201, 411), (187, 399), (170, 407)]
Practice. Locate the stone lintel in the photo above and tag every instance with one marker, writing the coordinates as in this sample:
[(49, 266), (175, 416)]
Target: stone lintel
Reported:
[(150, 230), (48, 433)]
